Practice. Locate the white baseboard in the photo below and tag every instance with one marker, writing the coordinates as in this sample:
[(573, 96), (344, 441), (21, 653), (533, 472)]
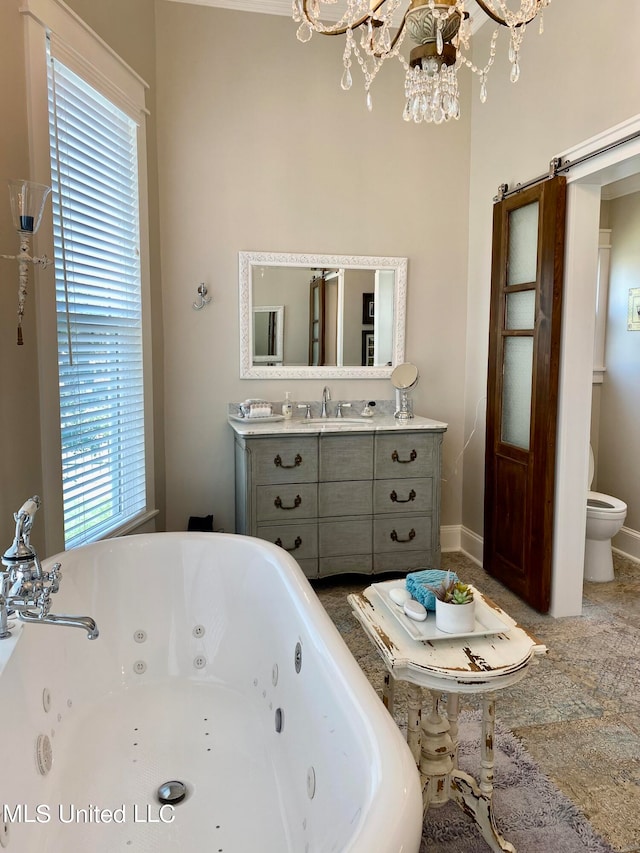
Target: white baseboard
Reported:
[(472, 545), (456, 537), (627, 543), (450, 537)]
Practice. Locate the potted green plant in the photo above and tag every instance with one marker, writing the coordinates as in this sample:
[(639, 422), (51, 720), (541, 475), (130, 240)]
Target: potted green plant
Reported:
[(455, 606)]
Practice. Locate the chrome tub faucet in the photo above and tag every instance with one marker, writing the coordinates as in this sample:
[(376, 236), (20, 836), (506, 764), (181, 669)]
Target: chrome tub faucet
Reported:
[(25, 588)]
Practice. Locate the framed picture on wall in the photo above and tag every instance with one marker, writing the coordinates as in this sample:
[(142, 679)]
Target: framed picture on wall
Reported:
[(633, 323), (367, 349), (368, 309)]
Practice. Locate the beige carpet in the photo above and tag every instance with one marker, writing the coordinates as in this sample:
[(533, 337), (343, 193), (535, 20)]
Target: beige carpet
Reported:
[(578, 712)]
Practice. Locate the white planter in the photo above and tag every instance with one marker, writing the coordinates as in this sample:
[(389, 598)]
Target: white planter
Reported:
[(455, 618)]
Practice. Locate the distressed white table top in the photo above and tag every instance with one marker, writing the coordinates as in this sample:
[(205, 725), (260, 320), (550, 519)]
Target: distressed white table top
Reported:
[(475, 664)]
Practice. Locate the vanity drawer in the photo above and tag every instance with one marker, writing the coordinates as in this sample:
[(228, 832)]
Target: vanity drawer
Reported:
[(340, 498), (408, 561), (346, 457), (351, 564), (284, 460), (402, 496), (395, 535), (300, 540), (404, 455), (287, 502), (340, 538)]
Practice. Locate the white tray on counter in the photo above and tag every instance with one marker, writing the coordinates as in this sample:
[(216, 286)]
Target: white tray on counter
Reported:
[(269, 419)]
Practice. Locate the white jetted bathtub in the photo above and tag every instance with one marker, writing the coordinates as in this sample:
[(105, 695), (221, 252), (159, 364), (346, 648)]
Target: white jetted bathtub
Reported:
[(217, 667)]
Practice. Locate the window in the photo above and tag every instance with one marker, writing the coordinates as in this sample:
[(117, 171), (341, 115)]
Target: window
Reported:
[(94, 172)]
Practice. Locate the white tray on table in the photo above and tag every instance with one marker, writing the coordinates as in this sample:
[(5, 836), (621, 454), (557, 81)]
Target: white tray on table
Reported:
[(489, 620)]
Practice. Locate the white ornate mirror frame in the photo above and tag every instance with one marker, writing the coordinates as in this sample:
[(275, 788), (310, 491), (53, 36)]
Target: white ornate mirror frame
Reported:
[(248, 260)]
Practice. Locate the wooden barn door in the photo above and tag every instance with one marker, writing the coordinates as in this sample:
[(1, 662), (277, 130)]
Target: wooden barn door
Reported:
[(522, 389)]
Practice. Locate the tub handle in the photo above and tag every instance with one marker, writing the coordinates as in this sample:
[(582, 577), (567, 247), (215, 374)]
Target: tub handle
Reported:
[(394, 497), (296, 503), (296, 544), (278, 461), (396, 538), (395, 456)]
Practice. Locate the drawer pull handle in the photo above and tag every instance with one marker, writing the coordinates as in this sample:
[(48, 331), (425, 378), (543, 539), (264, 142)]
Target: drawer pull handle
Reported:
[(296, 544), (396, 538), (279, 464), (394, 497), (296, 502), (396, 457)]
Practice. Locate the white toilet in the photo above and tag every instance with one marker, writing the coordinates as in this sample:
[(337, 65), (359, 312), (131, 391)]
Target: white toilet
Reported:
[(605, 517)]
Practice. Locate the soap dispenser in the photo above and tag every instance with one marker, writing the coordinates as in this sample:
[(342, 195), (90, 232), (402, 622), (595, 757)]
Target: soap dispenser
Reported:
[(287, 407)]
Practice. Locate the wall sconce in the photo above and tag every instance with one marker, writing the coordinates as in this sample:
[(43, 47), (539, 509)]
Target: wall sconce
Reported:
[(27, 206)]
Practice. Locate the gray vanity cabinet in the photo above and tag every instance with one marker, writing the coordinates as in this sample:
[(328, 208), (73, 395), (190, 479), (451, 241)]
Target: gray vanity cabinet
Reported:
[(406, 525), (343, 502)]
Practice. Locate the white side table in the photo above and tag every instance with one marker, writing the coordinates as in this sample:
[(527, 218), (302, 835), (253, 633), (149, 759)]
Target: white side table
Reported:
[(477, 664)]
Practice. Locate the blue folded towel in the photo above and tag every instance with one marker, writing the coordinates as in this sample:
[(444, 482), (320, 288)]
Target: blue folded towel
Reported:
[(415, 583)]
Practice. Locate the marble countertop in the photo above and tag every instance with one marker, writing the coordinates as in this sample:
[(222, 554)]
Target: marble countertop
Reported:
[(301, 426)]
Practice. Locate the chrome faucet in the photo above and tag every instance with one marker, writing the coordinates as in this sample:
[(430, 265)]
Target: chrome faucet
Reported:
[(326, 396), (25, 588)]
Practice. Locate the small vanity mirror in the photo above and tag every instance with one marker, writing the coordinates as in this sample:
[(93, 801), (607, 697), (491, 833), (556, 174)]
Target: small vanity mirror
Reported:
[(345, 315), (404, 376), (403, 379)]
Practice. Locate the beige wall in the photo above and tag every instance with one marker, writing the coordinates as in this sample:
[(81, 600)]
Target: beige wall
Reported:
[(246, 163), (618, 471), (20, 465), (562, 98)]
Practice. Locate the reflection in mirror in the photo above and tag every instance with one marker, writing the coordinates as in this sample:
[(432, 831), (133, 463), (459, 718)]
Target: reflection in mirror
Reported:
[(345, 315), (268, 334)]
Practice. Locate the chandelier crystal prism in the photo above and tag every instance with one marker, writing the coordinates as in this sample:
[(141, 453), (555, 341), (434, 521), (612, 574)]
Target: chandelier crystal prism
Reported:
[(441, 33)]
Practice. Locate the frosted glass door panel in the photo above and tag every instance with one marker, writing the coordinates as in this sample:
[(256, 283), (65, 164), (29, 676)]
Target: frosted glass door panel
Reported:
[(523, 245), (521, 309), (516, 391)]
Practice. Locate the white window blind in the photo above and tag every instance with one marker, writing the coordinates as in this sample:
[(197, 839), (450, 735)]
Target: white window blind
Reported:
[(94, 170)]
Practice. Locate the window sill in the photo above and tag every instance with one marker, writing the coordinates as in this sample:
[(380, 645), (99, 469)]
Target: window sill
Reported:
[(133, 524)]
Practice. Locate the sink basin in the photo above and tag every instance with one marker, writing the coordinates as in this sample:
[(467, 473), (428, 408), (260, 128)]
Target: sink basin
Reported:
[(316, 422)]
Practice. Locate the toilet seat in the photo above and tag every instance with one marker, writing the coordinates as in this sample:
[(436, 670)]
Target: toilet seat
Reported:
[(600, 505), (605, 517)]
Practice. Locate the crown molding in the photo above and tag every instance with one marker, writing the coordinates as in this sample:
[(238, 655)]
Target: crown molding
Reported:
[(283, 7), (626, 186), (267, 7)]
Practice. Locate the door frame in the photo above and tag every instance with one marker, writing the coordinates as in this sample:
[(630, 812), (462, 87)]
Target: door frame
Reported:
[(584, 185)]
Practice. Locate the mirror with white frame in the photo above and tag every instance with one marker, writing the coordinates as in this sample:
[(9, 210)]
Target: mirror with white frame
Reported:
[(345, 315)]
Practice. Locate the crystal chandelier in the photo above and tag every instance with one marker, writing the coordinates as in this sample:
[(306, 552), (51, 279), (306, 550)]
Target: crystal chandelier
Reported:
[(441, 32)]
